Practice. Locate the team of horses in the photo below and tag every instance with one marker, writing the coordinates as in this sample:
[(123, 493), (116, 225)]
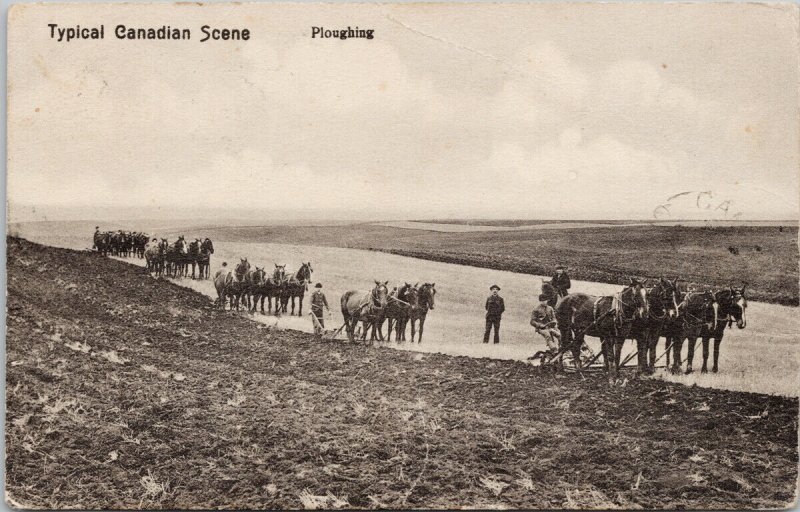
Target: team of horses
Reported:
[(250, 286), (175, 259), (403, 305), (646, 314), (120, 243)]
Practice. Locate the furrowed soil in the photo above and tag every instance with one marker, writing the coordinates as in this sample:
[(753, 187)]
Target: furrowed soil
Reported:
[(125, 391)]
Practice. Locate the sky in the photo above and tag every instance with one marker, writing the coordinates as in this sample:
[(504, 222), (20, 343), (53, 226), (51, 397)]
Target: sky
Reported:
[(553, 111)]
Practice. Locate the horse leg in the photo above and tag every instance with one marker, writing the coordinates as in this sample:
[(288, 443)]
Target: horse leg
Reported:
[(421, 328), (690, 356), (413, 328), (642, 352), (300, 300), (347, 326), (717, 343), (389, 323), (618, 344), (704, 369)]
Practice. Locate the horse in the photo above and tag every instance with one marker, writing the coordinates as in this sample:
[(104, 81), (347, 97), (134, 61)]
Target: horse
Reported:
[(231, 284), (204, 261), (662, 307), (176, 257), (222, 280), (154, 255), (296, 286), (270, 288), (193, 255), (238, 287), (102, 241), (368, 307), (398, 309), (732, 308), (609, 318), (695, 311), (139, 244), (253, 279), (425, 302)]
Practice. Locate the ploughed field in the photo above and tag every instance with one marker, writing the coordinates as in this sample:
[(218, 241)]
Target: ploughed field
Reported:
[(125, 391), (764, 257)]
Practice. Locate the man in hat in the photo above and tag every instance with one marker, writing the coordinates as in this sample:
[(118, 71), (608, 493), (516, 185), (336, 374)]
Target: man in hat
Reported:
[(494, 311), (318, 301), (561, 281), (543, 319)]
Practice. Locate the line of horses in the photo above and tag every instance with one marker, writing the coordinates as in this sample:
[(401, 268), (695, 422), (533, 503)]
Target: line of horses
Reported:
[(646, 314), (120, 243), (175, 259), (403, 305), (247, 286)]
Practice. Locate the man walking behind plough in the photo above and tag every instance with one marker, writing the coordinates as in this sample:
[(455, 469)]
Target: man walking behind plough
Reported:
[(318, 301)]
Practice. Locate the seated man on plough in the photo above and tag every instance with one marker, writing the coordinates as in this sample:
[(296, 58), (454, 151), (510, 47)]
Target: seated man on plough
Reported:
[(543, 319)]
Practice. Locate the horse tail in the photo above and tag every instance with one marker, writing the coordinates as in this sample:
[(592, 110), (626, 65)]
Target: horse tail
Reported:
[(345, 299)]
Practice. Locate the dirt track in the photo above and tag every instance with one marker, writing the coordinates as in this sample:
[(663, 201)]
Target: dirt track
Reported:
[(124, 391)]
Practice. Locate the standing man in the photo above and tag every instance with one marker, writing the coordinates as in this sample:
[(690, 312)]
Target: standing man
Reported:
[(543, 319), (318, 301), (494, 311), (561, 281)]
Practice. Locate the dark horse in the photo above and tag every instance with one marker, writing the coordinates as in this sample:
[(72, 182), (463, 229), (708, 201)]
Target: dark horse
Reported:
[(296, 286), (176, 258), (231, 285), (204, 261), (193, 256), (426, 301), (368, 307), (662, 307), (732, 306), (697, 311), (253, 280), (398, 310), (270, 288), (609, 318)]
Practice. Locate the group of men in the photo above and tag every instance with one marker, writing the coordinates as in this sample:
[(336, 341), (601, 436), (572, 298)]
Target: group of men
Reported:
[(543, 318)]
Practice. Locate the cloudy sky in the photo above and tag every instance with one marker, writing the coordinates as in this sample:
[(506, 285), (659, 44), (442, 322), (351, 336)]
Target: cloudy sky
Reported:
[(525, 111)]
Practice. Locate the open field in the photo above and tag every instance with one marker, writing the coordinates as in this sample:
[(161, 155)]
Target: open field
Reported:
[(766, 259), (763, 358), (125, 391)]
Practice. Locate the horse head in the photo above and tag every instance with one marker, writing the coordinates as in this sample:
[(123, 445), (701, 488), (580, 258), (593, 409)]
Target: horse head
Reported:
[(733, 305), (207, 247), (427, 294), (304, 274), (663, 298), (380, 294), (633, 300), (550, 291), (279, 274), (242, 268), (260, 276), (194, 247), (410, 295)]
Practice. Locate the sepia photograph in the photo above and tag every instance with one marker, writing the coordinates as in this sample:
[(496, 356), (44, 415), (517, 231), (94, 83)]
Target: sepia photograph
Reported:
[(402, 256)]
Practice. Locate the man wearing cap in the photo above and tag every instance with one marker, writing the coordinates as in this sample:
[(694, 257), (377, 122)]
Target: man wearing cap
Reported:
[(494, 311), (561, 281), (543, 319), (318, 301)]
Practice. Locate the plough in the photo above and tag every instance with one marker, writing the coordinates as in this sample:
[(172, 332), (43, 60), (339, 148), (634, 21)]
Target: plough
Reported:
[(325, 334)]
